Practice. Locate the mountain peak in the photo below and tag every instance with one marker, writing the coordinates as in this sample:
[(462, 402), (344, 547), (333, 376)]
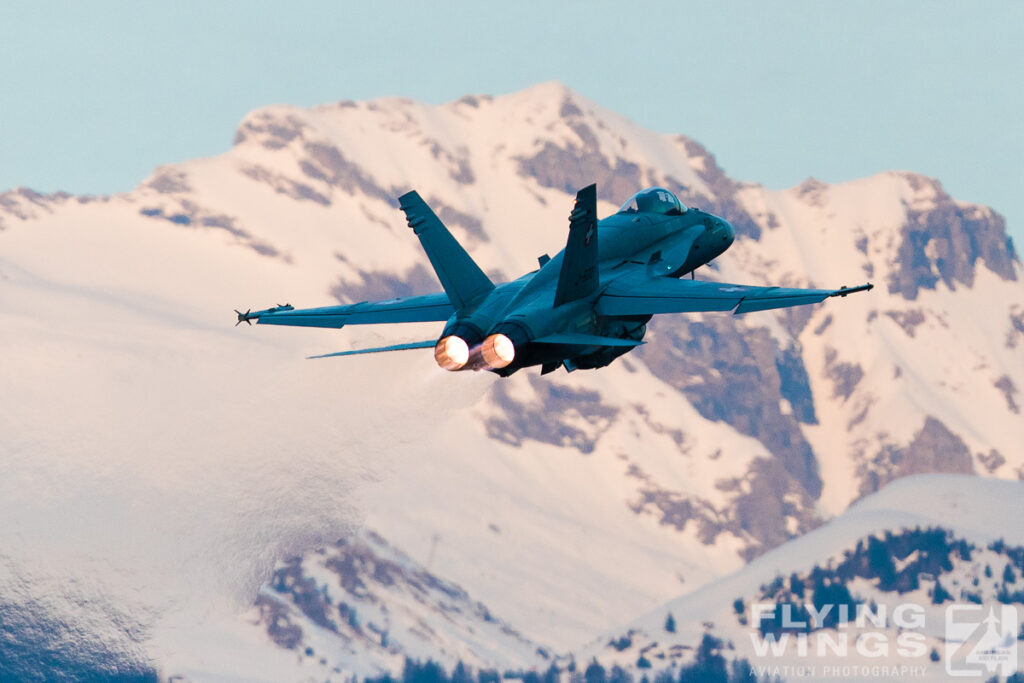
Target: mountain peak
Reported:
[(554, 97), (548, 90)]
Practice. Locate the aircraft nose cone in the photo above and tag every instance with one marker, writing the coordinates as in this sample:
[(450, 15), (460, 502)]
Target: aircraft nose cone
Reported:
[(728, 233)]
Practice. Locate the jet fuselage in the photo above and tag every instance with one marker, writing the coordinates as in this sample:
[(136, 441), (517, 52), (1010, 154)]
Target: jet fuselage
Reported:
[(523, 310), (581, 309)]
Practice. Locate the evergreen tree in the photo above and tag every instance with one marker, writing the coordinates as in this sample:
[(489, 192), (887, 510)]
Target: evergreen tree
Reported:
[(621, 643), (619, 675), (462, 674), (796, 585), (1008, 575), (595, 673), (551, 675), (880, 562), (709, 666), (742, 672), (940, 594), (408, 670), (834, 594), (670, 623)]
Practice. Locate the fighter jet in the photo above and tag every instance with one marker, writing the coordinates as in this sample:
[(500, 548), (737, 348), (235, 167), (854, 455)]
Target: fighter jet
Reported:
[(581, 309)]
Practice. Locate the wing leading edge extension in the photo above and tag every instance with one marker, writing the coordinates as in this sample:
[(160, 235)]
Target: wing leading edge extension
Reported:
[(413, 309), (649, 296)]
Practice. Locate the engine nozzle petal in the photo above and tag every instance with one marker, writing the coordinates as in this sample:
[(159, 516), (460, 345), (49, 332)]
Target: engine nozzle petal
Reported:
[(451, 353), (497, 351)]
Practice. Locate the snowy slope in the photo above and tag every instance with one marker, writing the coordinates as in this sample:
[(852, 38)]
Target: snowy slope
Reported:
[(971, 509), (565, 504)]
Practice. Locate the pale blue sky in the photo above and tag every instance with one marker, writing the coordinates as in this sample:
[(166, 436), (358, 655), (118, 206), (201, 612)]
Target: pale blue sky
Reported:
[(94, 95)]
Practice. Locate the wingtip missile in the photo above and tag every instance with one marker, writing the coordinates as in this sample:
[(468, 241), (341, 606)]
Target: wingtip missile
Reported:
[(844, 290), (249, 316)]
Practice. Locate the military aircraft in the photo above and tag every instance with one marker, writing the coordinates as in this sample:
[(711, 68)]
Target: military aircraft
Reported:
[(582, 308)]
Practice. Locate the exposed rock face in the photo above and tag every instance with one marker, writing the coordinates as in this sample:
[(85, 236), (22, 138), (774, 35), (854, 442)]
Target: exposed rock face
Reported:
[(24, 204), (794, 384), (169, 181), (181, 211), (1015, 333), (673, 509), (574, 164), (761, 516), (845, 376), (992, 460), (775, 497), (326, 163), (378, 285), (945, 243), (908, 320), (581, 163), (723, 188), (286, 186), (735, 373), (459, 167), (272, 131), (375, 604), (1009, 389), (731, 372), (555, 414), (933, 449)]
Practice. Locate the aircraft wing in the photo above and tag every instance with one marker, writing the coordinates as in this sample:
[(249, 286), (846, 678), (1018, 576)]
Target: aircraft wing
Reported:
[(413, 309), (648, 296)]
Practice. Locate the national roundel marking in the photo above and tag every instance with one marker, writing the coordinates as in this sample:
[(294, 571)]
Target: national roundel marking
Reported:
[(587, 238)]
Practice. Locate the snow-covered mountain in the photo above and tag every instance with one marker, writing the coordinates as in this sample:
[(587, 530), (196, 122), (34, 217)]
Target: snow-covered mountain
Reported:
[(566, 504), (896, 560)]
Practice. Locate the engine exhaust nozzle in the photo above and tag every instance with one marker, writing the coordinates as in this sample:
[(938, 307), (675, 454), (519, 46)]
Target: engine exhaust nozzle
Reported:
[(497, 351), (451, 353)]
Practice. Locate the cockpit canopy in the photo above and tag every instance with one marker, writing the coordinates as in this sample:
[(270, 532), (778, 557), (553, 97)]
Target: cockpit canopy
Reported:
[(654, 200)]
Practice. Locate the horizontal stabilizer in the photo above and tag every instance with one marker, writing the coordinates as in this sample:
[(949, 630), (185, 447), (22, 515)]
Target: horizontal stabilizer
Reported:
[(579, 339), (427, 344)]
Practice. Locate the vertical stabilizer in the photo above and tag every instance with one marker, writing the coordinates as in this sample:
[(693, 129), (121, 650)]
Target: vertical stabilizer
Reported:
[(578, 277), (461, 278)]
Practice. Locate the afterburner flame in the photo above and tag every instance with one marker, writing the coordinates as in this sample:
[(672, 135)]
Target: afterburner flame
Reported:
[(451, 353), (497, 351)]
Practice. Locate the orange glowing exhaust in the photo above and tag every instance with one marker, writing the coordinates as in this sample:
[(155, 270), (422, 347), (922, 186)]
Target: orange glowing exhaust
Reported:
[(497, 351), (451, 353)]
